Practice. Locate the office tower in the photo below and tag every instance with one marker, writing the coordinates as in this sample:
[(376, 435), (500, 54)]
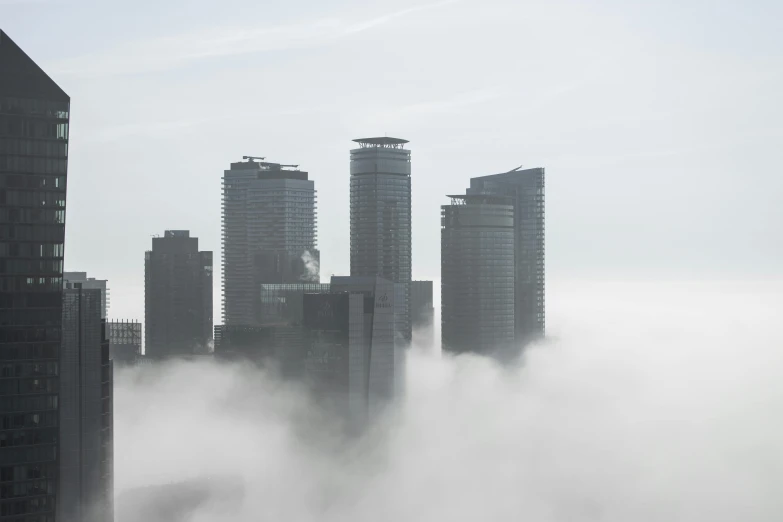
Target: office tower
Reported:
[(526, 188), (86, 489), (177, 296), (124, 341), (34, 114), (477, 274), (279, 339), (381, 215), (422, 313), (269, 234), (352, 353), (70, 279)]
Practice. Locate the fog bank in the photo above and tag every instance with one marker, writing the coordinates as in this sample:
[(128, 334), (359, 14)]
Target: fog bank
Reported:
[(648, 402)]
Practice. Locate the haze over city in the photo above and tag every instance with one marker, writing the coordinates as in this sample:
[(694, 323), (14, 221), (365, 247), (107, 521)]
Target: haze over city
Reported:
[(640, 376)]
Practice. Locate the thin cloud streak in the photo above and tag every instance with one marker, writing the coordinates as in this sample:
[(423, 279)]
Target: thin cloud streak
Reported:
[(381, 20), (173, 51)]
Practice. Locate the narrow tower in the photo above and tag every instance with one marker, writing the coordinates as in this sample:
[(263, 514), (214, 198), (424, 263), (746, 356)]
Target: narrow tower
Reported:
[(381, 216)]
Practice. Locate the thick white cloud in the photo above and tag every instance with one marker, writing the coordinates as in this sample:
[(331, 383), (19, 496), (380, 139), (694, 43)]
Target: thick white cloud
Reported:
[(650, 402)]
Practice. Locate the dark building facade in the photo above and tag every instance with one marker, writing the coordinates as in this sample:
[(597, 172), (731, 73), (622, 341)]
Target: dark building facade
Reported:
[(381, 215), (124, 341), (279, 339), (86, 492), (34, 118), (177, 296), (269, 234), (477, 275), (71, 279), (422, 313), (352, 356), (526, 189)]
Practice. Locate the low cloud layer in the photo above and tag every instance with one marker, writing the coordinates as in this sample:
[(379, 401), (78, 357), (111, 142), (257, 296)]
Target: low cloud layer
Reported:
[(650, 402)]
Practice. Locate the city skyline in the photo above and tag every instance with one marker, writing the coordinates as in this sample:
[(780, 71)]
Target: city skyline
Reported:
[(639, 118), (650, 400)]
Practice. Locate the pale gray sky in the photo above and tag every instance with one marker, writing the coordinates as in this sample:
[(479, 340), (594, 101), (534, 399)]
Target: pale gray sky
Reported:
[(659, 123)]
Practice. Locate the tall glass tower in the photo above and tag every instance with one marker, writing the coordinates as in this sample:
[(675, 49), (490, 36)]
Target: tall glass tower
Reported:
[(34, 115), (477, 275), (526, 190), (381, 215), (269, 234)]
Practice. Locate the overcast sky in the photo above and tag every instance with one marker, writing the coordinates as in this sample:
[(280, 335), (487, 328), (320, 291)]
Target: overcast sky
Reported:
[(659, 123)]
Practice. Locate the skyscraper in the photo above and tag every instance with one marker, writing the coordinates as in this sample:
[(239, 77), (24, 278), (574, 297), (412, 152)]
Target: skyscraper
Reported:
[(86, 490), (381, 215), (477, 274), (70, 279), (177, 296), (34, 116), (526, 189), (269, 234)]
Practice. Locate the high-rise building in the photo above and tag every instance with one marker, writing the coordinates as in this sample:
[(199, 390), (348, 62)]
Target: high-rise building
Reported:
[(124, 341), (526, 189), (477, 274), (269, 234), (70, 279), (86, 491), (422, 313), (177, 296), (352, 355), (34, 115), (381, 215)]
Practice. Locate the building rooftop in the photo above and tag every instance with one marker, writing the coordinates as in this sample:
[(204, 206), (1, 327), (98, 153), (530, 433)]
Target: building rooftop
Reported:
[(20, 76), (395, 143)]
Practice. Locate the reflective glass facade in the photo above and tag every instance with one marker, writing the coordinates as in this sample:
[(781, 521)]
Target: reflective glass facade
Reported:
[(477, 275), (34, 115)]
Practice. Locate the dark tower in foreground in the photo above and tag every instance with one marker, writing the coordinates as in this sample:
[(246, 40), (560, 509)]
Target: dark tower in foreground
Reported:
[(86, 492), (526, 190), (34, 115), (381, 215), (177, 296), (269, 234), (477, 275)]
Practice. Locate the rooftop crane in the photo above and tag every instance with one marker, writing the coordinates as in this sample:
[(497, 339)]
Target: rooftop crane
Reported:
[(252, 158)]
